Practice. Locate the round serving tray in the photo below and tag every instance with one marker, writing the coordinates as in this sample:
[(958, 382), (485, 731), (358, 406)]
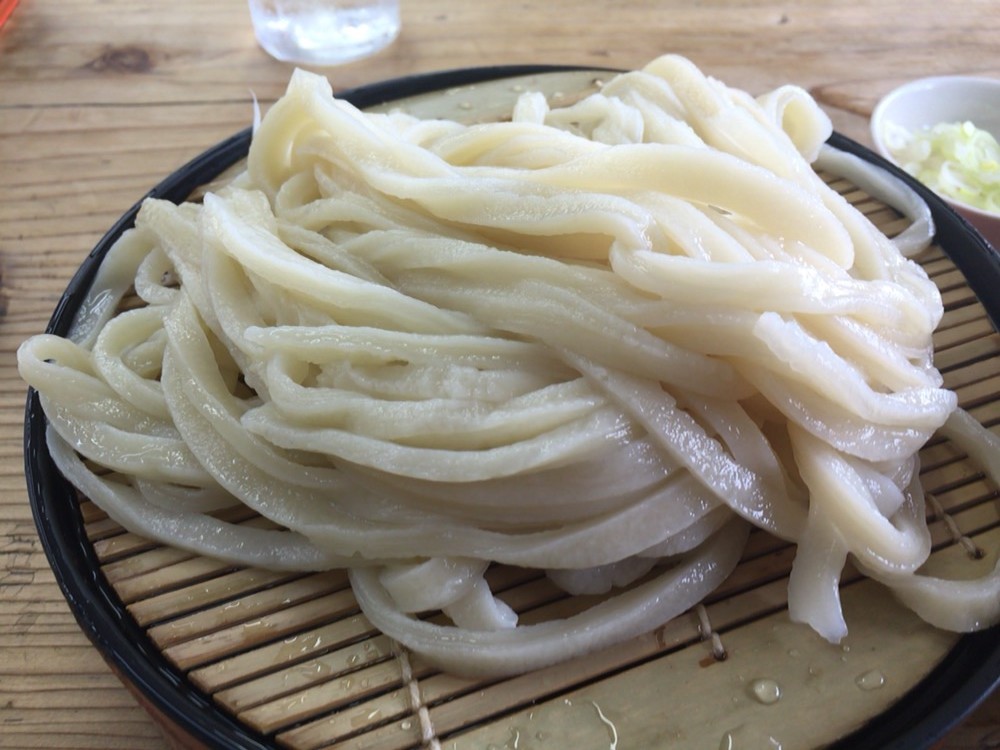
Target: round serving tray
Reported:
[(915, 682)]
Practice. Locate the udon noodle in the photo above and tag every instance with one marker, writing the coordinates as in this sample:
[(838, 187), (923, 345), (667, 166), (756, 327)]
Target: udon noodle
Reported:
[(602, 341)]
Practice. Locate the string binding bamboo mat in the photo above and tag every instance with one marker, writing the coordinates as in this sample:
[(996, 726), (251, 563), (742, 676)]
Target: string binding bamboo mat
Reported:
[(291, 657)]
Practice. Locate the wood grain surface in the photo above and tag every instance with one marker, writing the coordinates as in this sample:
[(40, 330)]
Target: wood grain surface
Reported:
[(99, 100)]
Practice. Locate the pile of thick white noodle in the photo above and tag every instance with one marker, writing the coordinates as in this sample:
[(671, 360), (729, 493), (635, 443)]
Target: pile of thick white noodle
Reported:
[(595, 341)]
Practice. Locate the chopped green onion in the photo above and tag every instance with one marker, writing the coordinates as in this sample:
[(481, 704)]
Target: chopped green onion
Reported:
[(957, 160)]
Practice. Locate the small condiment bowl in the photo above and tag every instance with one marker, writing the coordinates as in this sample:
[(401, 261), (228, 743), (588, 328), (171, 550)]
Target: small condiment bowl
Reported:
[(943, 99)]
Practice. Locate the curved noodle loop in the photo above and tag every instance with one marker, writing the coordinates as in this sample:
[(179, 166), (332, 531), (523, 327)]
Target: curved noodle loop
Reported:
[(595, 341)]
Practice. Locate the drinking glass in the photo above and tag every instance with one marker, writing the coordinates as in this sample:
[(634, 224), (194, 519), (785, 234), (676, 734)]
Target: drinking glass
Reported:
[(324, 32)]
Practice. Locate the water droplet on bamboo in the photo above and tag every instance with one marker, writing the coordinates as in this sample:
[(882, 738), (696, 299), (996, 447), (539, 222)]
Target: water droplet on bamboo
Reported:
[(765, 691), (870, 680), (315, 669)]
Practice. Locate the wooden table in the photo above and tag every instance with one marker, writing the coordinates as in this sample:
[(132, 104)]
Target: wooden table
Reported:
[(98, 100)]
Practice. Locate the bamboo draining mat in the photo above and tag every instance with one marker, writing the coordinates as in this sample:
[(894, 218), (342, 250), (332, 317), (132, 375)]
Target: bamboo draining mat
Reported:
[(291, 657)]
